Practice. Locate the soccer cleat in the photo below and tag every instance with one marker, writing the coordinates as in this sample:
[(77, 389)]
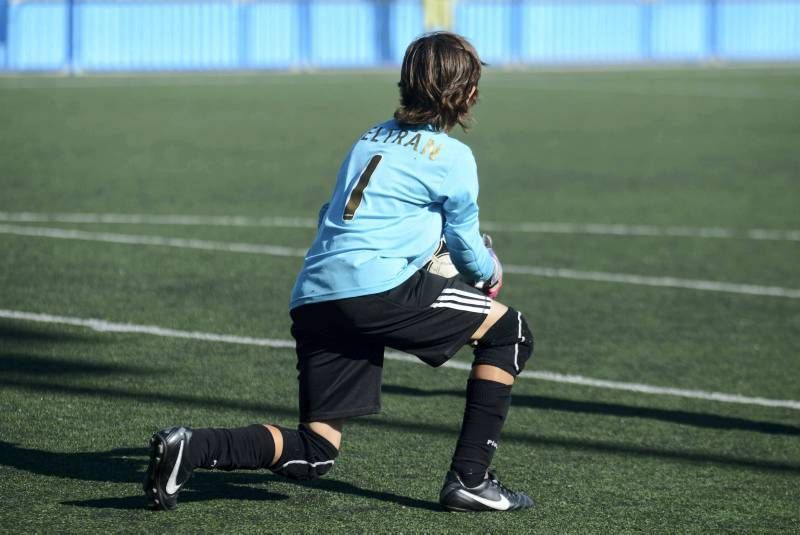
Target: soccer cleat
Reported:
[(169, 468), (490, 495)]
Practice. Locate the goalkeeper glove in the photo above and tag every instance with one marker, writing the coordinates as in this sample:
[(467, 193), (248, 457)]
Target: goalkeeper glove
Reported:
[(493, 285)]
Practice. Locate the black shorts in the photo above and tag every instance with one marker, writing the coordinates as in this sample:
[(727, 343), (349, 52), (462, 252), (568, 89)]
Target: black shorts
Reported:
[(340, 343)]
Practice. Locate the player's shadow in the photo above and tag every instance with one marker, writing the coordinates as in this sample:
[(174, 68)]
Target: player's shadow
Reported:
[(282, 411), (25, 356), (696, 419), (32, 365), (204, 486), (126, 465), (343, 487), (10, 333), (120, 465)]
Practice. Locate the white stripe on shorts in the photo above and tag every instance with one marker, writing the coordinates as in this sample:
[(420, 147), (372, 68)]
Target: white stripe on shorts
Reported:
[(462, 300), (461, 307), (456, 291)]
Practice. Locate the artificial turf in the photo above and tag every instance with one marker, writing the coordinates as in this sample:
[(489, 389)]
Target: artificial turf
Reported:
[(689, 148)]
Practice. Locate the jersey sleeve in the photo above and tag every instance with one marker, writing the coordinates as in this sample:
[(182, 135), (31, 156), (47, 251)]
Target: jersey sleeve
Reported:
[(460, 209)]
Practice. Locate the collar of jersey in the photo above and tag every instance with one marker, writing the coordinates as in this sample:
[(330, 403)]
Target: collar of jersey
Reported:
[(428, 127)]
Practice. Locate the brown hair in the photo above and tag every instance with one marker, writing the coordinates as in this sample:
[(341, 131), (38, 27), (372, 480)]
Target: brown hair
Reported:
[(438, 72)]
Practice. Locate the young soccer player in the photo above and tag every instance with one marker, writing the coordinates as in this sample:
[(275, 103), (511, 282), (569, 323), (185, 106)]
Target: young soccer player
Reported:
[(363, 287)]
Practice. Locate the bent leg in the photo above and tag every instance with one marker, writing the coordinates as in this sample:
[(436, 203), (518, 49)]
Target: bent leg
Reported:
[(259, 446), (305, 453), (503, 343)]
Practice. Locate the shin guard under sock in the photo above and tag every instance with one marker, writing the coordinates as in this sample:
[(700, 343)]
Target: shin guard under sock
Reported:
[(484, 415), (248, 448)]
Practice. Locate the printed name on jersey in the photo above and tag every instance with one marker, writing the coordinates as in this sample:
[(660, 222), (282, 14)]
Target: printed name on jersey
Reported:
[(378, 134)]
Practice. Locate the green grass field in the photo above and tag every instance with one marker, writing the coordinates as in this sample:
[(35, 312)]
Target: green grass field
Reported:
[(695, 149)]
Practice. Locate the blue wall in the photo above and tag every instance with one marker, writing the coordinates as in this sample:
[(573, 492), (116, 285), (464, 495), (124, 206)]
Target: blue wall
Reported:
[(107, 35)]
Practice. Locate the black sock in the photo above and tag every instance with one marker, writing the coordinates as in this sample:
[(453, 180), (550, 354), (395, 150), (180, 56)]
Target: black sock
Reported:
[(248, 448), (484, 415)]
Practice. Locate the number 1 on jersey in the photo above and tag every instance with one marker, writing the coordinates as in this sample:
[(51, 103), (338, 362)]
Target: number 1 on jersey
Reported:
[(358, 192)]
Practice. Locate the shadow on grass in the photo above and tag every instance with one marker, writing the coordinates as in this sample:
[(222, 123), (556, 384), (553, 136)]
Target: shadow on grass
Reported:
[(342, 487), (121, 465), (10, 332), (126, 465), (271, 412), (34, 365), (696, 419), (204, 486)]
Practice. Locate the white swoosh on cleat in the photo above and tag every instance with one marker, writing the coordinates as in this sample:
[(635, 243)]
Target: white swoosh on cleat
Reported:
[(172, 484), (501, 505)]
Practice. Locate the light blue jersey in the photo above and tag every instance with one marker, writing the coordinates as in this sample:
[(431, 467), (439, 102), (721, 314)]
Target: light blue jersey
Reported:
[(397, 192)]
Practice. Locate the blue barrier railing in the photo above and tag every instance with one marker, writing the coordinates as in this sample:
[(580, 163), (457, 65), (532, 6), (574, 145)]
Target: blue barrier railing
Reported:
[(108, 35)]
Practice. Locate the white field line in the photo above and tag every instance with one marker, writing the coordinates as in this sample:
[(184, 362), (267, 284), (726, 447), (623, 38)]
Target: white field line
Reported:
[(133, 239), (129, 328), (642, 230), (664, 282), (152, 219), (692, 89), (278, 250), (601, 229)]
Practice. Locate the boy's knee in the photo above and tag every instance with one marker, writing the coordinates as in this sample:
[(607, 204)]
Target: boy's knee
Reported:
[(508, 344), (306, 455)]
